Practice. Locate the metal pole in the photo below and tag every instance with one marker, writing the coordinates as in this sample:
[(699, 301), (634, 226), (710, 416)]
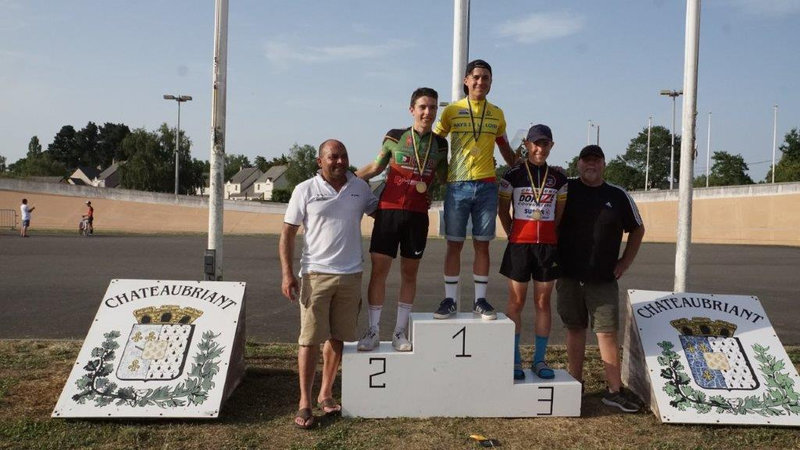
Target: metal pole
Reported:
[(217, 160), (177, 144), (589, 132), (647, 165), (708, 150), (460, 47), (598, 135), (774, 138), (672, 147), (684, 236)]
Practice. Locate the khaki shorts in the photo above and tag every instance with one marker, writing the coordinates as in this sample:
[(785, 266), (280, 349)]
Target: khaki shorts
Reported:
[(580, 304), (329, 307)]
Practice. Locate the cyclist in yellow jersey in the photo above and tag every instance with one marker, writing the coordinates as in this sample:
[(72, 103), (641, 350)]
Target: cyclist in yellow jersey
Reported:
[(475, 126)]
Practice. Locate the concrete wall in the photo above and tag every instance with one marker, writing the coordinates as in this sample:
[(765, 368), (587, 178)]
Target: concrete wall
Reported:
[(756, 214)]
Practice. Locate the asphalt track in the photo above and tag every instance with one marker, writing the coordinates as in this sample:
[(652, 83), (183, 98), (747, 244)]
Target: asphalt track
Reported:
[(52, 284)]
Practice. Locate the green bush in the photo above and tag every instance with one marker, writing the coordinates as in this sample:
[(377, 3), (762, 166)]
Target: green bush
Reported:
[(281, 195)]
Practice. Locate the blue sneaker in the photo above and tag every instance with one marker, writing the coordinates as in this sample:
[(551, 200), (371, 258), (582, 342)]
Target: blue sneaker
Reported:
[(519, 374), (483, 308), (446, 309)]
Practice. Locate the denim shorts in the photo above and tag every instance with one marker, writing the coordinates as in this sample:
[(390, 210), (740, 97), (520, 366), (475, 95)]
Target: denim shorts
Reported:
[(470, 199)]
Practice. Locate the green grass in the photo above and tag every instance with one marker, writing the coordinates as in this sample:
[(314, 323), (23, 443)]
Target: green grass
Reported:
[(260, 412)]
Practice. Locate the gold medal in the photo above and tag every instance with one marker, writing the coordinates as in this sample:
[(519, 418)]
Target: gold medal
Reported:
[(421, 165), (537, 193)]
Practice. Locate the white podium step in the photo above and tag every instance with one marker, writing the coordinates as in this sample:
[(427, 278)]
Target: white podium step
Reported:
[(458, 367)]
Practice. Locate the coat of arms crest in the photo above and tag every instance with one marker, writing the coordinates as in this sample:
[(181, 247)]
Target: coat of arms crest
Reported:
[(158, 343), (715, 357)]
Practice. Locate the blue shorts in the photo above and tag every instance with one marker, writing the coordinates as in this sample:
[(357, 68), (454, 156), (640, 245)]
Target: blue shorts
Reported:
[(470, 199), (26, 223)]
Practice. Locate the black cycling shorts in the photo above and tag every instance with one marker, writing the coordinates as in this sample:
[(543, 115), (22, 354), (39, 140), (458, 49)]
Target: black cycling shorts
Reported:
[(396, 227), (521, 262)]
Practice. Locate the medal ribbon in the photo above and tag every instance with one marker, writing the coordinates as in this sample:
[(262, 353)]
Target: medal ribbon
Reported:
[(472, 119), (537, 195), (421, 168)]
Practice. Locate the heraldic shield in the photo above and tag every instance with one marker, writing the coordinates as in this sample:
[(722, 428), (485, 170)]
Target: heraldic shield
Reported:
[(158, 344), (716, 358)]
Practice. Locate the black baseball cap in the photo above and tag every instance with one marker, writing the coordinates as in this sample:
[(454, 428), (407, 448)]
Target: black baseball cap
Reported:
[(539, 132), (471, 66), (592, 150)]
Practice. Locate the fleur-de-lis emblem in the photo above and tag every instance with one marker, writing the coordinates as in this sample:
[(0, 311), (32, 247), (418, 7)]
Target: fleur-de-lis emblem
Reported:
[(151, 336), (134, 366), (137, 337), (707, 375)]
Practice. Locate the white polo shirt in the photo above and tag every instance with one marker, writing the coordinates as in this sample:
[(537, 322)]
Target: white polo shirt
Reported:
[(332, 223), (25, 211)]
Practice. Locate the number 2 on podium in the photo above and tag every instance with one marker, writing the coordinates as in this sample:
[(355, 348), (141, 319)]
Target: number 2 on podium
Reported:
[(463, 333)]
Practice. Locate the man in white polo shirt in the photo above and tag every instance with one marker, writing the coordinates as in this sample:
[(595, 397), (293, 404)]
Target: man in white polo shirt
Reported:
[(329, 206)]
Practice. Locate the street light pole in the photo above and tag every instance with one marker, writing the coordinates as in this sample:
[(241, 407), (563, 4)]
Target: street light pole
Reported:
[(774, 138), (672, 94), (460, 47), (690, 64), (219, 89), (708, 150), (647, 165), (180, 99)]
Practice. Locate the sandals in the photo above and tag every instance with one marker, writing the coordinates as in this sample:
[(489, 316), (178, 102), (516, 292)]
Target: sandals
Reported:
[(519, 374), (542, 370), (329, 406), (304, 419)]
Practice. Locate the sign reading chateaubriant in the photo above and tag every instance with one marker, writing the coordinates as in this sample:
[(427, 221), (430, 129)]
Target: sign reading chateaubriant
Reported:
[(159, 348), (714, 359)]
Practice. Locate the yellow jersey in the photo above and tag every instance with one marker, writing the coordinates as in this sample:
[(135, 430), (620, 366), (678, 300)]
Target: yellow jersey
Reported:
[(473, 127)]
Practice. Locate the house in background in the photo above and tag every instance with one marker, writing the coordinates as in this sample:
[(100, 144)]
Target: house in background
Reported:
[(110, 177), (242, 185), (275, 178), (83, 176), (205, 191)]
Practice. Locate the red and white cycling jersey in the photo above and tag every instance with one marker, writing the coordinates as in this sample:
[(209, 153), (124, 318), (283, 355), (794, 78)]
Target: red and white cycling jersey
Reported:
[(534, 221)]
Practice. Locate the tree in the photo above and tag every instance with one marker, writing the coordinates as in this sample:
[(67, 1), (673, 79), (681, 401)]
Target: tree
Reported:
[(264, 165), (572, 167), (86, 146), (34, 147), (635, 158), (37, 162), (234, 163), (728, 170), (788, 168), (302, 164), (109, 143), (64, 147), (619, 172), (2, 164), (281, 195), (147, 167)]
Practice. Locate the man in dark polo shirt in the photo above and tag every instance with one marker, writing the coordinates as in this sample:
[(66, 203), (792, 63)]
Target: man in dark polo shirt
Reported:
[(590, 236)]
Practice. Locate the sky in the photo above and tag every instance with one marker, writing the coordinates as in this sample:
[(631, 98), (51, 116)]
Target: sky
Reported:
[(302, 71)]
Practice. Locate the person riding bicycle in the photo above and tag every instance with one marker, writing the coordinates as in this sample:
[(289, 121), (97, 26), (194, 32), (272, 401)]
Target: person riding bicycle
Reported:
[(89, 216)]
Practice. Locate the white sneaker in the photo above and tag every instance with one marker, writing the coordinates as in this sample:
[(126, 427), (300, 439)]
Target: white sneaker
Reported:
[(399, 341), (369, 341)]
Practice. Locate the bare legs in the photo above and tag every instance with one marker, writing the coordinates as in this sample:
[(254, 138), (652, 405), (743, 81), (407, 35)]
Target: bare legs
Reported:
[(307, 357)]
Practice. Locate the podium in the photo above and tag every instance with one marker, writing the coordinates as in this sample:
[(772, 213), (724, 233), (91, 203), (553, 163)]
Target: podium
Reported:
[(458, 367)]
